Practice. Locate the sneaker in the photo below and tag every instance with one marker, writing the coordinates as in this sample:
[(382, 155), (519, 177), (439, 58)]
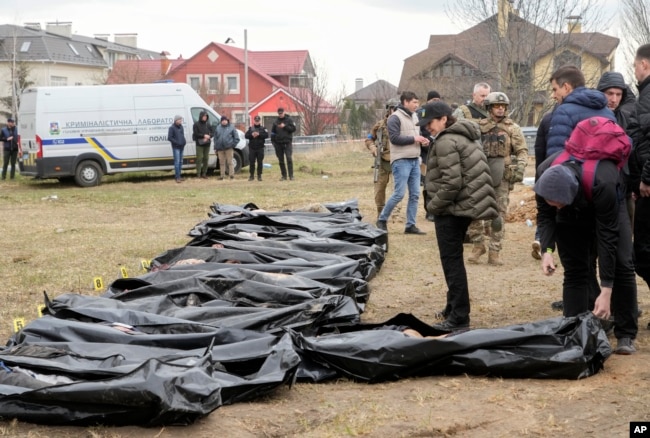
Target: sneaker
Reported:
[(250, 178), (625, 346), (232, 177), (537, 250), (449, 326), (557, 305), (382, 225), (291, 178), (413, 230), (259, 178), (284, 178), (221, 178), (430, 217)]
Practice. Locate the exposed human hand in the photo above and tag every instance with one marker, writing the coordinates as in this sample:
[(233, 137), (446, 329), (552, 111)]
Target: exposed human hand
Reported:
[(644, 190), (548, 265), (422, 140), (602, 307)]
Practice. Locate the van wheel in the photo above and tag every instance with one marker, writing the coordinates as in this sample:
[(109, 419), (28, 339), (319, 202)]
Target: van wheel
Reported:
[(237, 162), (88, 174)]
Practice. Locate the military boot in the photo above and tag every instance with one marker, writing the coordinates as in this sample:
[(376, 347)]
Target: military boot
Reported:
[(493, 258), (477, 252)]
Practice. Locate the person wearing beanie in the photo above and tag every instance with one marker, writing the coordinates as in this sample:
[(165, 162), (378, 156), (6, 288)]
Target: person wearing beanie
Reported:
[(576, 225), (176, 136), (225, 140)]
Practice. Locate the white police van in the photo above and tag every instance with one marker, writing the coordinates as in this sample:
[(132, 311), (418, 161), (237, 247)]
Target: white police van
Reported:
[(81, 133)]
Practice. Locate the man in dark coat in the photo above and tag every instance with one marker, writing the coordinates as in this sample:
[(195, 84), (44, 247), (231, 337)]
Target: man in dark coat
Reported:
[(256, 136), (282, 139), (638, 129)]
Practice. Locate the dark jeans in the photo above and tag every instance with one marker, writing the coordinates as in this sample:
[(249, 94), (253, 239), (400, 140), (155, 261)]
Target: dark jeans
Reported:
[(256, 155), (283, 150), (450, 233), (575, 247), (7, 157)]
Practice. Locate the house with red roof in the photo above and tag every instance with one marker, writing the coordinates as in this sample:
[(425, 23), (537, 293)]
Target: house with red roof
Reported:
[(218, 73)]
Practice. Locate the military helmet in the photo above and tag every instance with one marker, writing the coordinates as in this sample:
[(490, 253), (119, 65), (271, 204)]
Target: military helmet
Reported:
[(496, 97), (392, 103)]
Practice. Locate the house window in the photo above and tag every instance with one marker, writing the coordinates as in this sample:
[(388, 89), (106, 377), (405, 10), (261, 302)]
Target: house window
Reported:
[(74, 50), (449, 69), (238, 117), (232, 83), (301, 81), (58, 81), (567, 57), (25, 46), (213, 82), (194, 82)]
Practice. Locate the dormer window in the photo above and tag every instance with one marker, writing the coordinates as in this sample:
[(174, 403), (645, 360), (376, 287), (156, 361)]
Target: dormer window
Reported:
[(25, 46), (74, 50)]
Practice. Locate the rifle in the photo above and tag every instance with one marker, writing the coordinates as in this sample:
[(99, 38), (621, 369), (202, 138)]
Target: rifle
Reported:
[(380, 150)]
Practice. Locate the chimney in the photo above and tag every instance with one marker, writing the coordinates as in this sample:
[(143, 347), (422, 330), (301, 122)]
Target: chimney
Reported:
[(503, 16), (101, 36), (127, 39), (574, 24), (33, 26), (165, 63), (358, 84), (61, 28)]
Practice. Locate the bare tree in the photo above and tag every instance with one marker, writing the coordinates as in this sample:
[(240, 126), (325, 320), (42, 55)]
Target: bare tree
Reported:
[(316, 115), (635, 28), (504, 49)]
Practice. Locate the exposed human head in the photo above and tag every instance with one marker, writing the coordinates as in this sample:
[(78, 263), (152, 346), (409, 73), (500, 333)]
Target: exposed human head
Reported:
[(178, 120), (281, 112), (558, 185), (564, 80), (481, 90), (409, 100), (224, 120), (257, 120), (434, 116), (11, 122), (642, 63)]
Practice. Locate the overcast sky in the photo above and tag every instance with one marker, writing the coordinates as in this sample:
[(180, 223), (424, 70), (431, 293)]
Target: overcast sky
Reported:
[(348, 39)]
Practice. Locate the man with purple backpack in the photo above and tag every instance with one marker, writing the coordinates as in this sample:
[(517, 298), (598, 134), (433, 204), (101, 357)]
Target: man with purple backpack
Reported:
[(581, 205)]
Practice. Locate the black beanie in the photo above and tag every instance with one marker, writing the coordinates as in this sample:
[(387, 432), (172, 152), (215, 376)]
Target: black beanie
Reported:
[(558, 184)]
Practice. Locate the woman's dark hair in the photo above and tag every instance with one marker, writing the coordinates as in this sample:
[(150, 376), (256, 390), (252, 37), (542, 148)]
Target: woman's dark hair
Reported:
[(450, 121)]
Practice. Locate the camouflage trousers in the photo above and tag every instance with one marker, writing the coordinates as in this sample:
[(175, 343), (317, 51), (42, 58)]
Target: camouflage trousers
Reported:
[(383, 178), (479, 229)]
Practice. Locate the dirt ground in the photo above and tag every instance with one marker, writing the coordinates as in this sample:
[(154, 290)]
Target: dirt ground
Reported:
[(411, 281)]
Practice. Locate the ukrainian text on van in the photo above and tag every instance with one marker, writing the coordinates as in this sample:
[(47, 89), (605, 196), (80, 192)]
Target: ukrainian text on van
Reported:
[(82, 133)]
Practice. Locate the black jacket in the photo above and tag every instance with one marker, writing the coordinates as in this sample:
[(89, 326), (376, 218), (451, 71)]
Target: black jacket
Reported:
[(256, 142), (599, 214), (638, 129), (201, 128), (283, 135)]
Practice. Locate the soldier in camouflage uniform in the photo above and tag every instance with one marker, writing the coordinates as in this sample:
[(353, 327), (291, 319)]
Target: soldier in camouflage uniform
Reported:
[(505, 148), (383, 176)]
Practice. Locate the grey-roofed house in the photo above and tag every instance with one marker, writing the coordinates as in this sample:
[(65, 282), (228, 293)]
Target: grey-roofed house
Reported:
[(373, 95), (56, 57)]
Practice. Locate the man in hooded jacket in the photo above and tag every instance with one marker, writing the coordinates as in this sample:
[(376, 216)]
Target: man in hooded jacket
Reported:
[(202, 132)]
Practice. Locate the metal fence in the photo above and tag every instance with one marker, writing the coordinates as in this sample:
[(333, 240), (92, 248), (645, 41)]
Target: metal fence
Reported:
[(305, 143)]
